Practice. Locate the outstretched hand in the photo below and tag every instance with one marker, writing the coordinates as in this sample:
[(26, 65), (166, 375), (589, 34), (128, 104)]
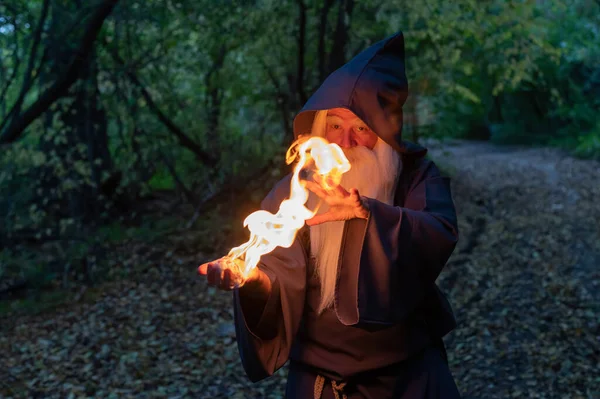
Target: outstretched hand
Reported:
[(343, 204), (220, 274)]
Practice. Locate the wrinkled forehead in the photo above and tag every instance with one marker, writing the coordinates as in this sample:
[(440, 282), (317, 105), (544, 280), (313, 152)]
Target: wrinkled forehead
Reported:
[(342, 113)]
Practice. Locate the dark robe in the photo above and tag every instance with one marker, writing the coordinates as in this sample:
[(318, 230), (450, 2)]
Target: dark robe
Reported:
[(382, 338)]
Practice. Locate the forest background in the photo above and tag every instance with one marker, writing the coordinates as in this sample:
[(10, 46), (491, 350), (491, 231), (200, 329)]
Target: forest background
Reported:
[(123, 122)]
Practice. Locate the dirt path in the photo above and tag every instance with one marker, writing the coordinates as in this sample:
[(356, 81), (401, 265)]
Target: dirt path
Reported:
[(524, 284)]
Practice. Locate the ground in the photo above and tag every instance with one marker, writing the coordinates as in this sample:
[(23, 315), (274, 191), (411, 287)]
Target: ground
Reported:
[(524, 284)]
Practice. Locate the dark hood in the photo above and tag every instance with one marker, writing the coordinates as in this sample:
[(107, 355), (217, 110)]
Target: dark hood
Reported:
[(373, 85)]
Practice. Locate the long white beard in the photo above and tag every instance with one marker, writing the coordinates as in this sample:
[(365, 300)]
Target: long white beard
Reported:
[(374, 173)]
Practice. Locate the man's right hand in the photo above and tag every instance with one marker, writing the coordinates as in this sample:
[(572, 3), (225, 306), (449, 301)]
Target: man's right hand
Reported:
[(254, 290), (221, 275)]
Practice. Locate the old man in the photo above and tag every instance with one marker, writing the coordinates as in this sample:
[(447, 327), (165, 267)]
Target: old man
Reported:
[(353, 303)]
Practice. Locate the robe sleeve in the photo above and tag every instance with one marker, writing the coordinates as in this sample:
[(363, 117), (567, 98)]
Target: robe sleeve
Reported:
[(264, 346), (390, 261)]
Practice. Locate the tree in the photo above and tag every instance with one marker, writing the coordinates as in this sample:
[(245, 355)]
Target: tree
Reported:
[(16, 121)]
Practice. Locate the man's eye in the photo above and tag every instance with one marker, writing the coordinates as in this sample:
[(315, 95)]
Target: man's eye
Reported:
[(335, 126), (362, 128)]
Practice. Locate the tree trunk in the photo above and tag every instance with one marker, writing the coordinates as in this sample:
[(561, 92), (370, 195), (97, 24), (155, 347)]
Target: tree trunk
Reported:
[(28, 78), (69, 76), (301, 49), (322, 53), (340, 37)]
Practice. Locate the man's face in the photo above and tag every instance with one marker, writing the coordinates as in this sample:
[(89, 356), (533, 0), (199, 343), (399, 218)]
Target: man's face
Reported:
[(345, 129)]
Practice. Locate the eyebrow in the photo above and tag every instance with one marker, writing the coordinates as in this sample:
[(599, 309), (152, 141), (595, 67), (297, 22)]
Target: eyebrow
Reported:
[(355, 120)]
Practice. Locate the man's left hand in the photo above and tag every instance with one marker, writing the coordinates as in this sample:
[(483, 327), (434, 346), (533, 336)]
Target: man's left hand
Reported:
[(343, 205)]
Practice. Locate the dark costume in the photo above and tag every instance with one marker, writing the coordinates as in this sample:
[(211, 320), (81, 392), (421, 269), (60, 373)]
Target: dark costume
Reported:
[(382, 338)]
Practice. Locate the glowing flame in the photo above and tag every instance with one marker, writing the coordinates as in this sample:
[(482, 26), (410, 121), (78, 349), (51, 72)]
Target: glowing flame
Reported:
[(268, 231)]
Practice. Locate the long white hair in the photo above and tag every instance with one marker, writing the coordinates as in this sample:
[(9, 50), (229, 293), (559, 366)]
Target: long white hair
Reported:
[(374, 173)]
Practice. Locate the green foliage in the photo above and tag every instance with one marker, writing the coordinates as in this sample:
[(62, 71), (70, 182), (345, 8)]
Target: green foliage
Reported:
[(589, 145), (509, 66), (230, 78), (161, 180)]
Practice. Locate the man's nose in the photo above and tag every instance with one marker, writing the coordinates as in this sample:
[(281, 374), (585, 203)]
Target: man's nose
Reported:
[(347, 140)]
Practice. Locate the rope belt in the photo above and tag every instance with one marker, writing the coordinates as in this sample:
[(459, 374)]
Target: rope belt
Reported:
[(338, 388)]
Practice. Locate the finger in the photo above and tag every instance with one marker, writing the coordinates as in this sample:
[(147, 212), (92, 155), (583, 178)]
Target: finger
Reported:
[(203, 268), (210, 271), (341, 191), (328, 184), (358, 203), (325, 181), (227, 279), (355, 195), (315, 188), (218, 277), (214, 275), (318, 179), (318, 219)]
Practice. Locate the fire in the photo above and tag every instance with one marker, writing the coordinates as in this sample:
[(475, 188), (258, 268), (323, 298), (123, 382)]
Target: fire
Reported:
[(267, 230)]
